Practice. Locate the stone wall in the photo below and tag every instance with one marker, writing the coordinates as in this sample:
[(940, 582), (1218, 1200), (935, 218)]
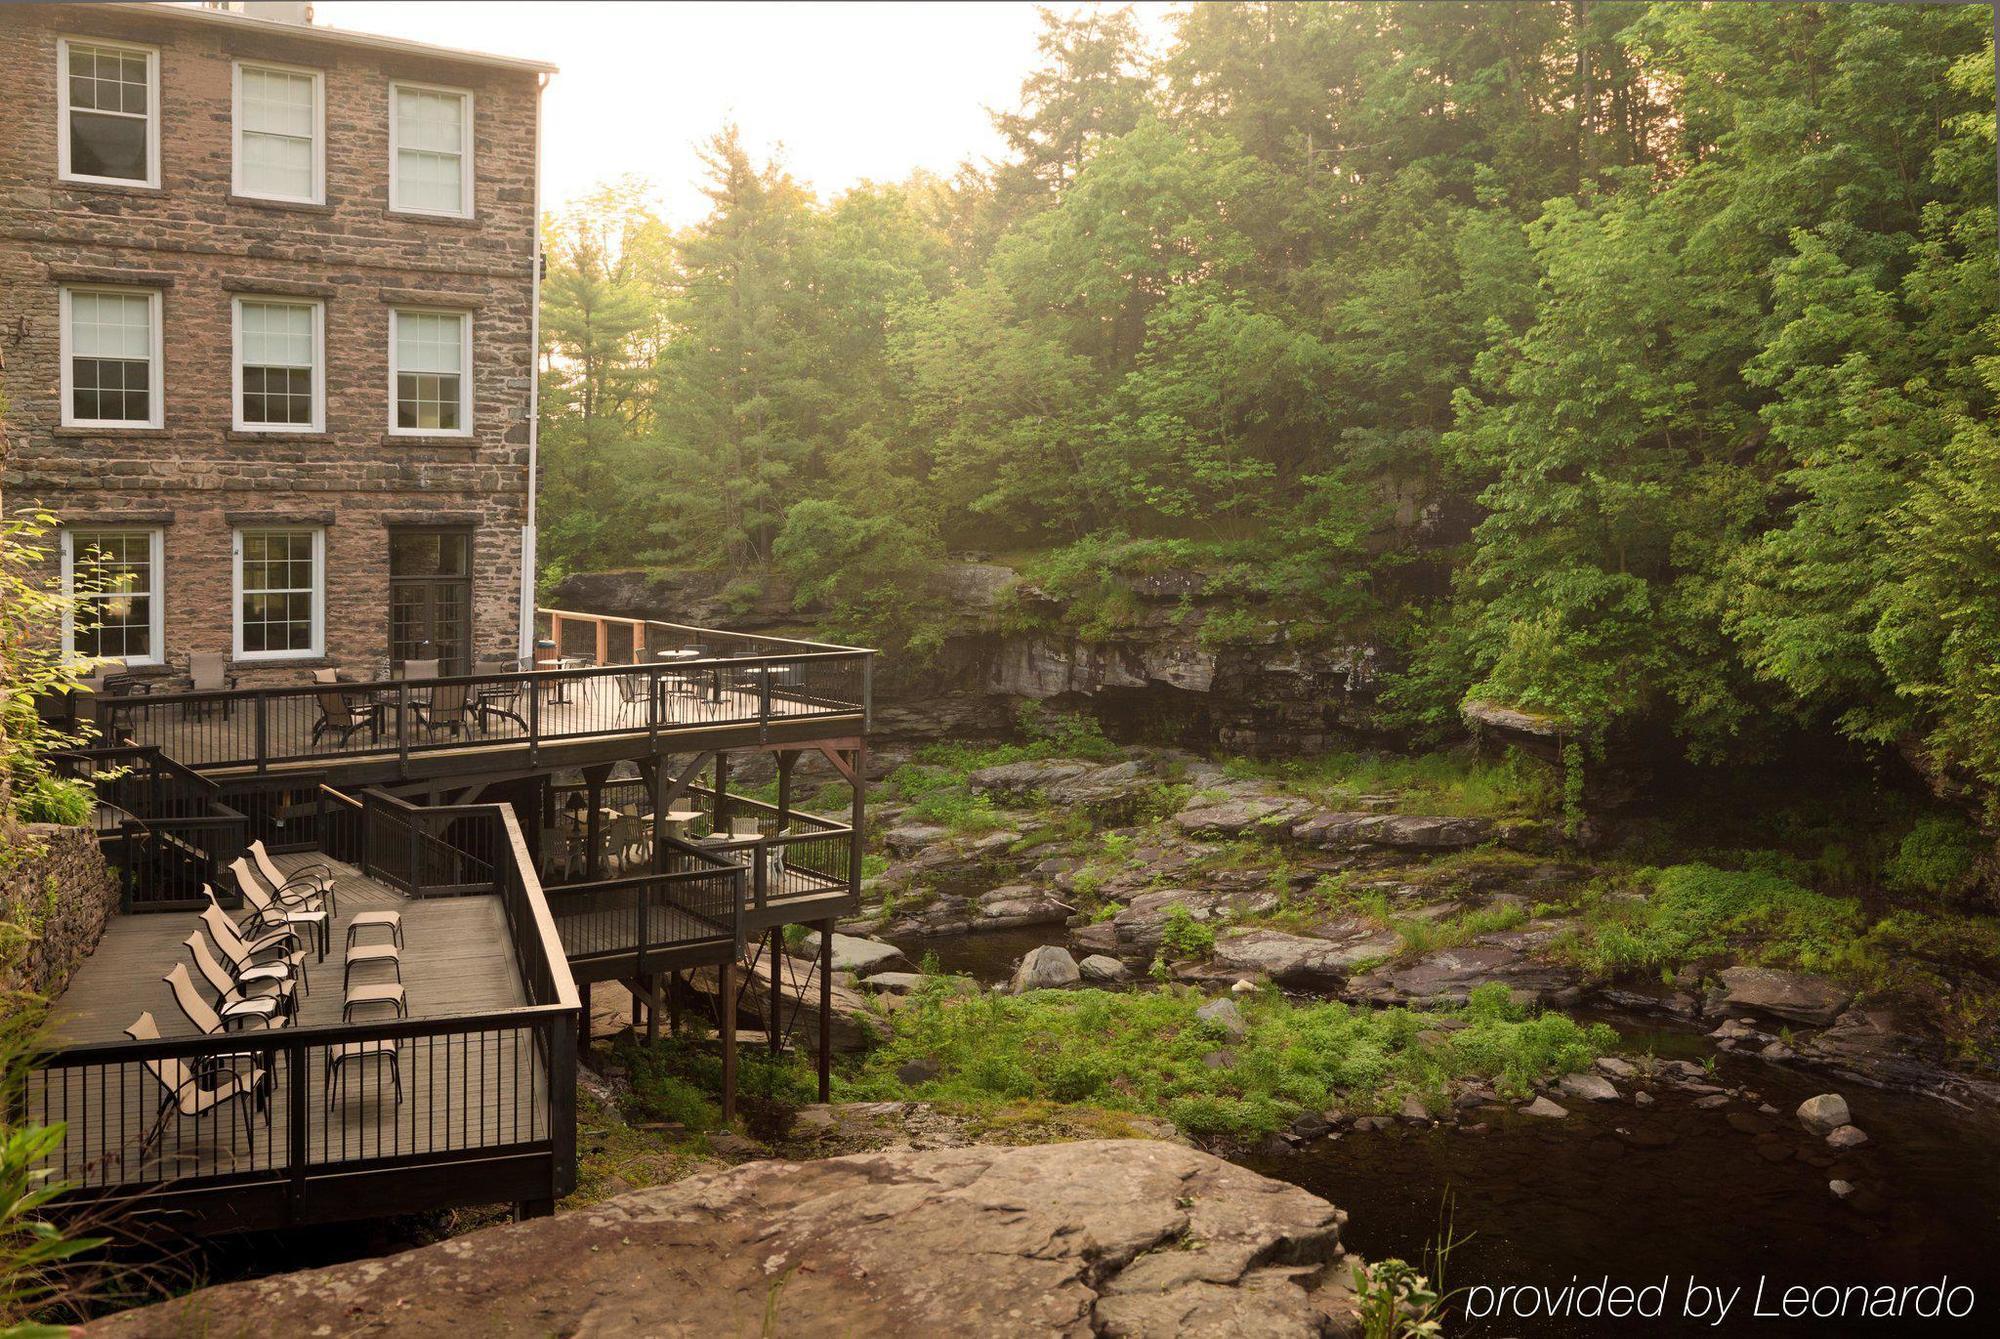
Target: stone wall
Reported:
[(199, 245), (55, 895), (1158, 679)]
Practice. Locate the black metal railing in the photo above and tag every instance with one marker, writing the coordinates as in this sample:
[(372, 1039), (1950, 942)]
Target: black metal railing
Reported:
[(729, 679), (297, 1124), (642, 921), (165, 829)]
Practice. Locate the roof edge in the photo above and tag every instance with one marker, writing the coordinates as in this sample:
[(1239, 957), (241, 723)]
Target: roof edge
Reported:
[(346, 36)]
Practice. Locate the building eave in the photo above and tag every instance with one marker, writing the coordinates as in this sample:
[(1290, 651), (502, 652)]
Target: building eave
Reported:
[(338, 36)]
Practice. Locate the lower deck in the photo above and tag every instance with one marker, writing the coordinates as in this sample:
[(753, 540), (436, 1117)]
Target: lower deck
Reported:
[(439, 1088)]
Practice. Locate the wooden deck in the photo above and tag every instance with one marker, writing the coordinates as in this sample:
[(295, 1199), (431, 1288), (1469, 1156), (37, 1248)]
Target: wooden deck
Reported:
[(462, 1088), (587, 715)]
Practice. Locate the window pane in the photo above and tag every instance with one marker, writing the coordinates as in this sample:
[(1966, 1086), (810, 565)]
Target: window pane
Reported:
[(107, 79), (279, 590), (113, 579), (279, 122), (277, 340), (429, 341), (111, 325), (430, 149), (427, 119), (107, 146)]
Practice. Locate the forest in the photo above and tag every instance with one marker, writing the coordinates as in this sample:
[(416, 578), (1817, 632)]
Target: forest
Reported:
[(1633, 364)]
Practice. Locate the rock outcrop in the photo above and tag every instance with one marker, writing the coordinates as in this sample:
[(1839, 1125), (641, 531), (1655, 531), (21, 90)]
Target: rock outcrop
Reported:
[(1125, 1238)]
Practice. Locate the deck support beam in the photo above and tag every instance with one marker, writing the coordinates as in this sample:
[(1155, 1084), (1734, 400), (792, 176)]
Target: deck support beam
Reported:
[(826, 1010), (776, 1040), (583, 1018), (653, 1007), (726, 1001)]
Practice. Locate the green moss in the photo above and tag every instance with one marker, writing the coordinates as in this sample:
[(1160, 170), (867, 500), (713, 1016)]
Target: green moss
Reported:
[(1456, 784), (1937, 857), (1144, 1052)]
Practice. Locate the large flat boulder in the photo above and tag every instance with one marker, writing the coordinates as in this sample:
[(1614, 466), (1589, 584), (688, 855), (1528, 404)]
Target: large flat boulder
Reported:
[(1301, 962), (863, 957), (1049, 967), (1020, 782), (1109, 1237), (1238, 809), (1449, 976), (1797, 996), (1404, 832), (1138, 928)]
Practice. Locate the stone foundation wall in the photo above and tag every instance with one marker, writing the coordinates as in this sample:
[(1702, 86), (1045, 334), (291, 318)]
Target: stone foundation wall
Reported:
[(56, 893)]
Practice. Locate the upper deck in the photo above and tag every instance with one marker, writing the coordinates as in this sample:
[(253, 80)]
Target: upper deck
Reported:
[(626, 688)]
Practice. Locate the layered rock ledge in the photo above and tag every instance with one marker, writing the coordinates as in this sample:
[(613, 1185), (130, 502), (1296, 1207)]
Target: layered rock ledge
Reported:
[(1113, 1238)]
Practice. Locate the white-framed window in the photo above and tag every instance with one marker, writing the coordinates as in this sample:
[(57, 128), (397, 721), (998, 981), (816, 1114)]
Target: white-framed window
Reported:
[(280, 583), (114, 574), (430, 372), (111, 358), (280, 362), (430, 150), (108, 112), (279, 117)]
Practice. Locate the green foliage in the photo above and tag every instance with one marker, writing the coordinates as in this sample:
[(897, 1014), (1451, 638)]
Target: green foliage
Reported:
[(33, 607), (1396, 1302), (675, 1079), (1635, 364), (1938, 857), (1686, 913), (1461, 784), (49, 799), (1183, 937), (44, 1261), (1142, 1052)]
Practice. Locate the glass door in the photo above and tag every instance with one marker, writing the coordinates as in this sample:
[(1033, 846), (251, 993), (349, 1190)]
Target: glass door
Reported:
[(430, 598)]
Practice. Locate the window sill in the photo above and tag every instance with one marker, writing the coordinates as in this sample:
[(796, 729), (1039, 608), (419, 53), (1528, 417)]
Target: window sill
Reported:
[(293, 206), (448, 220), (109, 187), (467, 442), (276, 435), (134, 430), (300, 661)]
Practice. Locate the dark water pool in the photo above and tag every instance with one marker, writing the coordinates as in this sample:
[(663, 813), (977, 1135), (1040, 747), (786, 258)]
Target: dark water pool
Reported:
[(1669, 1193)]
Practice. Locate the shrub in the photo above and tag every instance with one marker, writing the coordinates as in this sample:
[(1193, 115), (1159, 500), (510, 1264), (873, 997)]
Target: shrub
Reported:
[(1937, 857), (50, 799), (1183, 937)]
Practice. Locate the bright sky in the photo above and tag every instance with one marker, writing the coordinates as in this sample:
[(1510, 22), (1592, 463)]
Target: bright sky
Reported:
[(849, 92)]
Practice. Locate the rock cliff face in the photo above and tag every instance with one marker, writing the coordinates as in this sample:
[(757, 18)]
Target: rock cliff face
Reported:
[(1256, 692), (1112, 1238)]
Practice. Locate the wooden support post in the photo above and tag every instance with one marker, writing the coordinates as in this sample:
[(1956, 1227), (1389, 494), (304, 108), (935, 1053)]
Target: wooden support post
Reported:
[(603, 648), (583, 1018), (634, 988), (593, 820), (777, 955), (859, 820), (826, 1010), (674, 1003), (653, 1007), (721, 794), (659, 791), (725, 976)]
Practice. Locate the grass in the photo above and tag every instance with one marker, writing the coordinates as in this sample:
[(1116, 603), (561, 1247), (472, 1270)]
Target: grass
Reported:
[(1144, 1053), (675, 1082), (1452, 785)]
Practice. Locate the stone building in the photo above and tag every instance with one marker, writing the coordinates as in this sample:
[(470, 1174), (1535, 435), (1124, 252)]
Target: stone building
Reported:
[(267, 332)]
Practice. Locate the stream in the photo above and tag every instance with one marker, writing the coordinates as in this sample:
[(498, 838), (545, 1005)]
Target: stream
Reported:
[(1663, 1193)]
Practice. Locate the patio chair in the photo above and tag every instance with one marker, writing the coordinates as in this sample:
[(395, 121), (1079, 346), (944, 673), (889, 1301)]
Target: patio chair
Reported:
[(315, 875), (197, 1094), (344, 716), (237, 999), (444, 709), (419, 669), (206, 1020), (274, 911), (208, 672), (630, 841), (271, 955), (632, 692), (501, 700)]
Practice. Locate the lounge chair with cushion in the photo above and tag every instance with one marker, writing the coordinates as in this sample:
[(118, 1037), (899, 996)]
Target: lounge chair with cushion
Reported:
[(274, 911), (316, 876), (264, 999), (203, 1015), (197, 1093), (270, 955), (444, 708)]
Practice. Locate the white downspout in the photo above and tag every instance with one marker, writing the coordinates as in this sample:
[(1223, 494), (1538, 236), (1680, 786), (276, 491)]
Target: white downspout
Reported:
[(529, 533)]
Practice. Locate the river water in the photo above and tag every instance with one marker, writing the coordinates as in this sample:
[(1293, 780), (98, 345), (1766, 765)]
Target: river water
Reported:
[(1669, 1194)]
